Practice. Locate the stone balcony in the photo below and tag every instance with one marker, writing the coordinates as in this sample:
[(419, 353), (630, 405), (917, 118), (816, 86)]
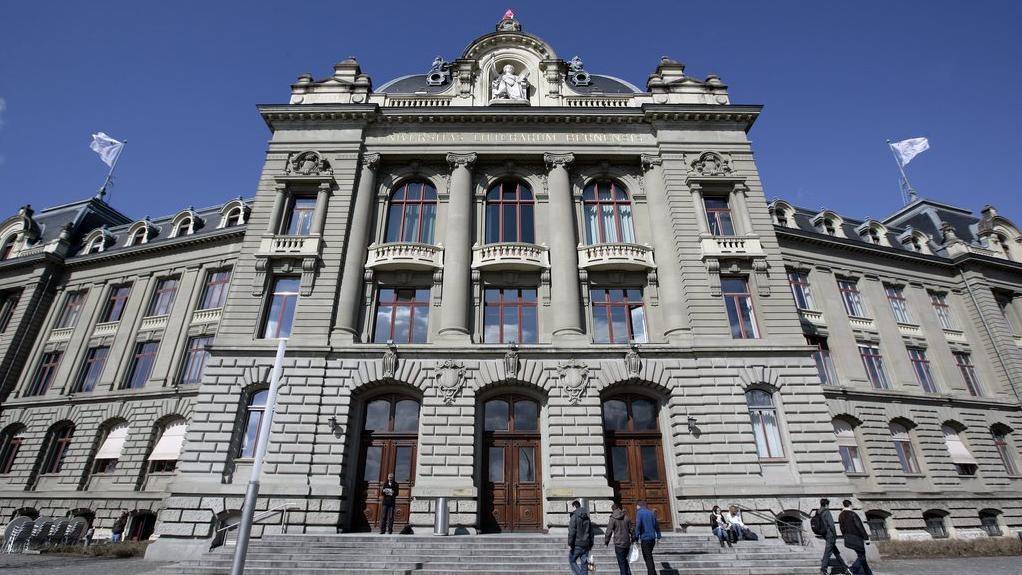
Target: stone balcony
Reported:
[(955, 335), (812, 316), (62, 334), (910, 329), (510, 256), (289, 246), (405, 256), (730, 247), (207, 315), (862, 323), (154, 322), (107, 328), (619, 257)]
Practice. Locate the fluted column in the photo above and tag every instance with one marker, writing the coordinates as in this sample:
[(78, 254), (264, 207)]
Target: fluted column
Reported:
[(672, 302), (457, 281), (565, 296), (350, 300)]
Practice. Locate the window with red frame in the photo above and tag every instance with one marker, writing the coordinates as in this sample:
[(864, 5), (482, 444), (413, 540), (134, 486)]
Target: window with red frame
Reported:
[(607, 213), (10, 444), (824, 362), (72, 310), (619, 315), (411, 214), (299, 216), (44, 374), (899, 305), (874, 364), (509, 213), (741, 314), (800, 290), (115, 303), (509, 315), (214, 295), (968, 369), (141, 364), (1004, 450), (921, 367), (943, 310), (280, 311), (718, 215), (57, 445), (8, 303), (92, 369), (195, 359), (402, 316), (163, 297), (851, 298)]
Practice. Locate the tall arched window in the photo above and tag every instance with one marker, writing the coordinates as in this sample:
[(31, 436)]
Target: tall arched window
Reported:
[(167, 450), (58, 441), (388, 444), (608, 214), (1000, 434), (109, 451), (411, 214), (509, 213), (10, 444), (253, 421), (765, 426), (847, 446), (903, 447), (965, 463)]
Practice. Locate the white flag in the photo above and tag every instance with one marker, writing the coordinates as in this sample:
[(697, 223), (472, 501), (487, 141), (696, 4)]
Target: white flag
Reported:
[(908, 149), (107, 148)]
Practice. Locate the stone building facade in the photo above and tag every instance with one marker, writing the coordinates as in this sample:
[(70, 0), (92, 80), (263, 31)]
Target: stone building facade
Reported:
[(513, 283)]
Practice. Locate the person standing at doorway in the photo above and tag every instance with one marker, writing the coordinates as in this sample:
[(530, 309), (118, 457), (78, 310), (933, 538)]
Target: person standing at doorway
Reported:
[(647, 531), (580, 539), (830, 538), (117, 532), (389, 495), (619, 530), (856, 538)]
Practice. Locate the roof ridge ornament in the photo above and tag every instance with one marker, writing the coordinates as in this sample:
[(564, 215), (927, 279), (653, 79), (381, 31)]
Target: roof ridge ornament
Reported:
[(439, 73), (576, 73), (508, 23)]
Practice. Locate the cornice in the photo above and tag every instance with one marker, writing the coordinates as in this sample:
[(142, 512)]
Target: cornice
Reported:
[(151, 248), (928, 400), (848, 244)]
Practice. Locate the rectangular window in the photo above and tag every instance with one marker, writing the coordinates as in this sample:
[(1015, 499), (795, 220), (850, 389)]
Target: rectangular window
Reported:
[(92, 369), (718, 216), (280, 310), (214, 295), (965, 365), (824, 362), (989, 524), (851, 298), (943, 310), (195, 359), (402, 316), (115, 303), (799, 282), (141, 364), (1003, 303), (896, 297), (1004, 450), (162, 466), (921, 367), (740, 312), (163, 297), (8, 303), (56, 451), (299, 216), (509, 315), (874, 364), (44, 374), (9, 451), (72, 310), (618, 315), (906, 455), (935, 526)]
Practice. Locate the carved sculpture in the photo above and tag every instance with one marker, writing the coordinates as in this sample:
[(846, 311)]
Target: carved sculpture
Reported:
[(633, 361), (439, 73), (508, 86), (577, 74), (307, 164), (390, 361), (450, 378), (711, 164), (511, 361), (575, 379), (508, 23)]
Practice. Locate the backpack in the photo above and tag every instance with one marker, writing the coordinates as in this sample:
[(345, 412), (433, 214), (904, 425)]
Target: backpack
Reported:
[(816, 524)]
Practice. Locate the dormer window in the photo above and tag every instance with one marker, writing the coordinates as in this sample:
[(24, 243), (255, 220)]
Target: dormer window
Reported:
[(917, 246), (183, 228), (8, 247), (782, 218), (233, 218), (138, 238), (873, 235), (95, 246), (828, 227)]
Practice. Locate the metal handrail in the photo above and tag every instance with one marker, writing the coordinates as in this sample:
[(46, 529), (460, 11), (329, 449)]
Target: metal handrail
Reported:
[(776, 519), (282, 509)]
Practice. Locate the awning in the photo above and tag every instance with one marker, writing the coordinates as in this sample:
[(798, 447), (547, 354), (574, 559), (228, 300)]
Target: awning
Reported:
[(959, 453), (844, 433), (114, 443), (168, 448)]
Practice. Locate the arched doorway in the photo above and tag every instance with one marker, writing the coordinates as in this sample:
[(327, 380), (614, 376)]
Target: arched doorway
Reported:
[(512, 474), (635, 455), (390, 435), (141, 524)]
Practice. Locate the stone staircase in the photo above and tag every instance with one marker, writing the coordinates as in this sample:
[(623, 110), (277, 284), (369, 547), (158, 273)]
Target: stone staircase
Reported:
[(362, 554)]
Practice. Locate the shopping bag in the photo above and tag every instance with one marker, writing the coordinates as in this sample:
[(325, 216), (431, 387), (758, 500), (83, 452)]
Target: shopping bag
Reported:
[(591, 564), (634, 554)]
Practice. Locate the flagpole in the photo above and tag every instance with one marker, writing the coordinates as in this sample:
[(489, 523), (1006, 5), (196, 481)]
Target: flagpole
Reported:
[(110, 174), (906, 189)]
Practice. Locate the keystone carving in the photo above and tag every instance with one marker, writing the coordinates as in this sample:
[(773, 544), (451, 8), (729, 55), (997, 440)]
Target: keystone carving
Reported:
[(633, 361), (450, 378), (575, 379), (390, 361), (511, 361)]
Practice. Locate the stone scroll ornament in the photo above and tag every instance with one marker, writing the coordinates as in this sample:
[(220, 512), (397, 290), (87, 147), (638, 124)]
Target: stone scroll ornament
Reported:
[(711, 164), (307, 164), (575, 379), (450, 378)]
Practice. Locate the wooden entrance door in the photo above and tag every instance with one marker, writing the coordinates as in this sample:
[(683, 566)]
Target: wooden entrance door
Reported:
[(635, 456), (388, 445), (512, 466)]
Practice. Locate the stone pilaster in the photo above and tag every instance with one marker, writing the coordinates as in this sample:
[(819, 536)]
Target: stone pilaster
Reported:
[(457, 281), (319, 215), (672, 302), (280, 195), (349, 300), (565, 295)]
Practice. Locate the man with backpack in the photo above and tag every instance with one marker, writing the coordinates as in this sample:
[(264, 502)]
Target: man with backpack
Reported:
[(580, 539), (822, 524), (856, 538)]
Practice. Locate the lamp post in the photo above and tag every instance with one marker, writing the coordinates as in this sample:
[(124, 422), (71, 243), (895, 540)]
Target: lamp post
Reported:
[(252, 493)]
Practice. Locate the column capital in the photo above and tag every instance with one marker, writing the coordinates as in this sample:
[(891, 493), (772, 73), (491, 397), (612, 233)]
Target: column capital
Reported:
[(370, 160), (461, 160), (558, 160), (325, 187), (650, 160), (280, 187)]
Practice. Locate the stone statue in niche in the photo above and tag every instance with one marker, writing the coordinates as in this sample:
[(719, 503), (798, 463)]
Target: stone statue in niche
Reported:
[(308, 164), (509, 87)]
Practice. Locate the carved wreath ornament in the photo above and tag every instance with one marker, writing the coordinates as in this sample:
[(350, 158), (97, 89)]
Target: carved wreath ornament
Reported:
[(450, 378), (575, 379)]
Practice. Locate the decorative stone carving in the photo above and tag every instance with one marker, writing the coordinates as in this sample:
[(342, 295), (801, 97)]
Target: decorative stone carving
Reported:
[(370, 160), (558, 160), (309, 163), (576, 74), (508, 87), (450, 378), (633, 361), (650, 160), (439, 73), (508, 23), (390, 361), (511, 361), (575, 379), (461, 160), (711, 164)]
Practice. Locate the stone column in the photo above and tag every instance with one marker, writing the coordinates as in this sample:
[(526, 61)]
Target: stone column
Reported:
[(672, 302), (457, 280), (273, 225), (697, 199), (350, 298), (741, 196), (565, 296), (319, 214)]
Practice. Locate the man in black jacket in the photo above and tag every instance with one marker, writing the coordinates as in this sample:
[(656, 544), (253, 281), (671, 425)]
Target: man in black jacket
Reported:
[(580, 539), (856, 538), (389, 495), (830, 537)]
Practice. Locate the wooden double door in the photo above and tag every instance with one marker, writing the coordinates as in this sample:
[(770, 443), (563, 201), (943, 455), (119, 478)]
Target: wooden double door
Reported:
[(512, 477), (635, 457), (388, 444)]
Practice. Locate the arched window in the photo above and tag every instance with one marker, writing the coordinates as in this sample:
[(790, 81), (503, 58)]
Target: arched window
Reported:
[(608, 214), (765, 426), (167, 450), (183, 228), (965, 463), (509, 213), (936, 524), (847, 446), (96, 245), (55, 449), (253, 421), (392, 414), (8, 247), (109, 451), (138, 237), (511, 414), (234, 217), (630, 413), (988, 520), (411, 214), (789, 527), (1000, 435), (903, 446), (877, 523), (10, 444)]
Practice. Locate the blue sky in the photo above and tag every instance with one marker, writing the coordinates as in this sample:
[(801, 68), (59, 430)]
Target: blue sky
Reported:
[(180, 81)]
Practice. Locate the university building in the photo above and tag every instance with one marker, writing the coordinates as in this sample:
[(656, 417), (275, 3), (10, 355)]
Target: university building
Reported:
[(512, 283)]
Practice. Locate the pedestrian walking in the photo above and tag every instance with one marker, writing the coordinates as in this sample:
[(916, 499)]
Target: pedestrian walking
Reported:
[(388, 493), (619, 530), (647, 531), (856, 538), (580, 539), (830, 538), (117, 532), (89, 534), (720, 526)]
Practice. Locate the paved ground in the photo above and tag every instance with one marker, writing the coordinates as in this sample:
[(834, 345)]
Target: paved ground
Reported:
[(967, 566)]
